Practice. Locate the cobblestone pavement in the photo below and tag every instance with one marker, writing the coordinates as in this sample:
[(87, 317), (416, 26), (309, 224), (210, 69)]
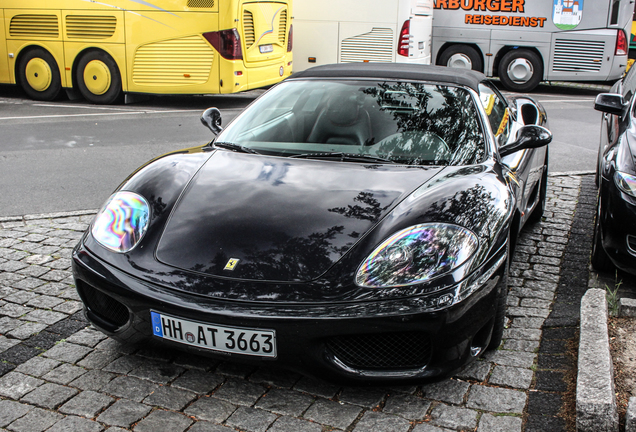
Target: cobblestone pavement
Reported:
[(59, 374)]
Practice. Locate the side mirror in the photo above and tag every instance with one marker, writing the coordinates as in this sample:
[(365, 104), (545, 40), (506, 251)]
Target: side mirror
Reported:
[(528, 137), (611, 103), (211, 118)]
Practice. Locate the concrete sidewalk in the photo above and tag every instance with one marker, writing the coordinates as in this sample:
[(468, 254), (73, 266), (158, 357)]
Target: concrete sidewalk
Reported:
[(57, 373)]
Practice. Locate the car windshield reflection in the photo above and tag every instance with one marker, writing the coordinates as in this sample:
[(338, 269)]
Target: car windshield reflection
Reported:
[(386, 122)]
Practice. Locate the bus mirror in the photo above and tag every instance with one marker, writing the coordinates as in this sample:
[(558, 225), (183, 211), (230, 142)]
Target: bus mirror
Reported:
[(211, 118), (611, 103), (529, 136)]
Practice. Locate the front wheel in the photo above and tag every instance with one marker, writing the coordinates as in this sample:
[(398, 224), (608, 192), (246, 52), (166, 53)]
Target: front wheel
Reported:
[(502, 300), (520, 70), (600, 259), (39, 75), (539, 209), (98, 78)]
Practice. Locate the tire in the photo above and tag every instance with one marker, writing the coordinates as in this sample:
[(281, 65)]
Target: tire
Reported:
[(539, 209), (520, 70), (39, 75), (462, 57), (502, 300), (600, 260), (98, 78)]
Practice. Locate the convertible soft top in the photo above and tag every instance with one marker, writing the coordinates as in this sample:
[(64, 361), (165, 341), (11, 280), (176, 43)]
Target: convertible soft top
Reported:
[(396, 71)]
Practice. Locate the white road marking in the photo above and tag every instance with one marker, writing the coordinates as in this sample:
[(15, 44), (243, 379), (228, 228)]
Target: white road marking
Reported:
[(565, 100), (102, 114), (84, 107)]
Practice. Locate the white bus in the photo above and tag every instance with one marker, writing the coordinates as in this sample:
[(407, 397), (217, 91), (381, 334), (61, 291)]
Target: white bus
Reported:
[(344, 31), (524, 42)]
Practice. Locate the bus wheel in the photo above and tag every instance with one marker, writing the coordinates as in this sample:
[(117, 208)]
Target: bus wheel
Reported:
[(39, 75), (98, 78), (520, 70), (461, 57)]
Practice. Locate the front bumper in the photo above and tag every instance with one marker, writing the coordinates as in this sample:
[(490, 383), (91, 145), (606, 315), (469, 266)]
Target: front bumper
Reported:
[(391, 340)]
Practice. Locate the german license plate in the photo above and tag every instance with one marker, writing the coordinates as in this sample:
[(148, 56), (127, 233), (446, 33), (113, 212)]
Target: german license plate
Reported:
[(256, 342), (266, 48)]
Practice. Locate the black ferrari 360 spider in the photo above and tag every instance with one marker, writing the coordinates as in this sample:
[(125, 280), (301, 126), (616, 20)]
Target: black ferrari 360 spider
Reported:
[(354, 222)]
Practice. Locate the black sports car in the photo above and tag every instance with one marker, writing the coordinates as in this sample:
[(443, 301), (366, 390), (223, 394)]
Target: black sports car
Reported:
[(355, 222), (615, 225)]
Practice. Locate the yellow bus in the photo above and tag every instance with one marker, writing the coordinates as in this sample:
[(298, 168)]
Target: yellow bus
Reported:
[(103, 48)]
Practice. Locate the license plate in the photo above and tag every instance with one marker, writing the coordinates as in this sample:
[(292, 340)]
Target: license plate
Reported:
[(266, 48), (256, 342)]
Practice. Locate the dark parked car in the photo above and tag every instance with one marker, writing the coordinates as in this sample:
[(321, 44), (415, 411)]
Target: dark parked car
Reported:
[(355, 222), (615, 226)]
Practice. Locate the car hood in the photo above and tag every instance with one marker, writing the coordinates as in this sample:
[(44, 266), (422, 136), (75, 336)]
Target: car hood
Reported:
[(264, 218)]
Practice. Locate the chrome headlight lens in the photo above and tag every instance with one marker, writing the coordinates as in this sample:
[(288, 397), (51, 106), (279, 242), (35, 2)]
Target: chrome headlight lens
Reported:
[(122, 222), (626, 183), (417, 254)]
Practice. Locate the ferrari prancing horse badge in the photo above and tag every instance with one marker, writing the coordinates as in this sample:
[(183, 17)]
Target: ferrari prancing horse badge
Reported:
[(231, 264)]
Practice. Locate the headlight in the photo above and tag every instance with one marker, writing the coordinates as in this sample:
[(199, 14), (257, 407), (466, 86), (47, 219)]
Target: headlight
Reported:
[(417, 254), (626, 183), (122, 222)]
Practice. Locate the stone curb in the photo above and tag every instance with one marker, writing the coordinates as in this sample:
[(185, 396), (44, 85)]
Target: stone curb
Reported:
[(55, 215), (579, 85), (571, 173), (596, 408), (627, 307), (630, 416)]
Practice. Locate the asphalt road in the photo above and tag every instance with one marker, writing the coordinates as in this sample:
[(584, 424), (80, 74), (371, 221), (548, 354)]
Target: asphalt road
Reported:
[(69, 155)]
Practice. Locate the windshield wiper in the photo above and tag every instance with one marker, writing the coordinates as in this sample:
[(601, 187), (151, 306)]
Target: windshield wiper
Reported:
[(349, 157), (235, 147)]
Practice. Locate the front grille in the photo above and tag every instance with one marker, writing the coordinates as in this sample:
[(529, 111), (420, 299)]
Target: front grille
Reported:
[(103, 306), (34, 26), (90, 26), (578, 56), (382, 351)]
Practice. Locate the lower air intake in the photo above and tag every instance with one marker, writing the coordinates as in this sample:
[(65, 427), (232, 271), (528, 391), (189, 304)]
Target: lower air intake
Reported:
[(382, 351), (103, 306)]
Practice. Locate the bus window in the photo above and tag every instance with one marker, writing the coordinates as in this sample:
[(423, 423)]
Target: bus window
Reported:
[(615, 10)]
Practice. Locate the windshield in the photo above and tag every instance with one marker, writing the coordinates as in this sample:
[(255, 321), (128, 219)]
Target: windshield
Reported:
[(387, 122)]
